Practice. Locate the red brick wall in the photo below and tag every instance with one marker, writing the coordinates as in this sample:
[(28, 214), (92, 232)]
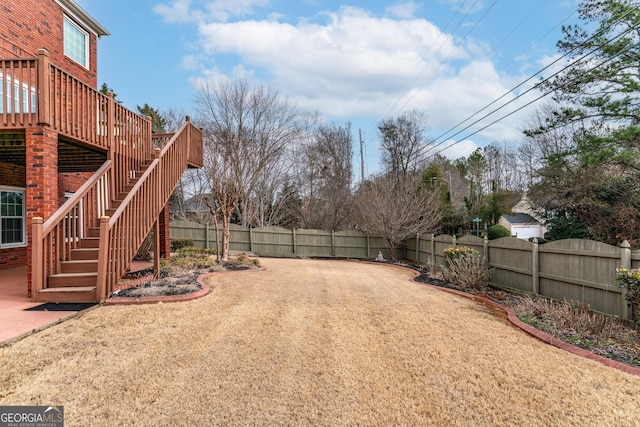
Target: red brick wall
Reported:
[(42, 179), (14, 257), (70, 183), (27, 25), (14, 176)]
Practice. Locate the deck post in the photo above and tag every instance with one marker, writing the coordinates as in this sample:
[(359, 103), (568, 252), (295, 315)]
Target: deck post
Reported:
[(156, 249), (44, 90), (103, 259)]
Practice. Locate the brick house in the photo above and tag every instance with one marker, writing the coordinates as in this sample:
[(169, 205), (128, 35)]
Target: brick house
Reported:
[(82, 179)]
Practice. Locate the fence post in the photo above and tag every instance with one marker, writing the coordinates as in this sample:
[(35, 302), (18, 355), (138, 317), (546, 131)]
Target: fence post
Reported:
[(333, 243), (453, 240), (251, 240), (295, 248), (433, 249), (625, 262), (368, 247), (206, 236), (485, 248), (417, 247), (535, 267)]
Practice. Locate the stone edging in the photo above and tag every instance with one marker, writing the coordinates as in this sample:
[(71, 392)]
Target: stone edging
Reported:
[(508, 314), (172, 298)]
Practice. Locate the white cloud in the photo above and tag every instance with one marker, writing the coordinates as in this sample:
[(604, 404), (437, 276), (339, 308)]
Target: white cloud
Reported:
[(454, 151), (403, 10), (182, 11), (355, 64), (178, 11)]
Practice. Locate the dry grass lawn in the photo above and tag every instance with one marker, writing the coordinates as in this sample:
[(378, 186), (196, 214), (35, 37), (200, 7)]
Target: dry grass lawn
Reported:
[(310, 343)]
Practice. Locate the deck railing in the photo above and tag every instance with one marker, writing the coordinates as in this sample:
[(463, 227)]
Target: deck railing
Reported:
[(34, 92)]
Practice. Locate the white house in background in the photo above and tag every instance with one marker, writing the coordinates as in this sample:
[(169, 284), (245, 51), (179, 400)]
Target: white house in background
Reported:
[(523, 226)]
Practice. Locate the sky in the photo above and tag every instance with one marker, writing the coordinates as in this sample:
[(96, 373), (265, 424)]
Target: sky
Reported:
[(352, 61)]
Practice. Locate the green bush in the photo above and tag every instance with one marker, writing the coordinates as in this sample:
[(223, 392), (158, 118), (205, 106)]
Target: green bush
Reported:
[(177, 244), (630, 279), (193, 258), (497, 231), (192, 250)]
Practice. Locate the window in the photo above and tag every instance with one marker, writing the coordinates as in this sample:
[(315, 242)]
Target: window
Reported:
[(13, 95), (74, 220), (12, 217), (76, 43)]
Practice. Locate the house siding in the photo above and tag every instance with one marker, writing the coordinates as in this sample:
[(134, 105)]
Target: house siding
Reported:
[(26, 26)]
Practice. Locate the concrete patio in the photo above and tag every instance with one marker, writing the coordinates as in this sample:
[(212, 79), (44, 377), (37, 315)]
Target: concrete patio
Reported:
[(14, 320)]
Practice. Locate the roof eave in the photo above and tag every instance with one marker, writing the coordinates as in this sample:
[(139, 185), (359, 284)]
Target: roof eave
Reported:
[(79, 12)]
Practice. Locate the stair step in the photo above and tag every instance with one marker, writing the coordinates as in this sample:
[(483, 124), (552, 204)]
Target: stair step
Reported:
[(82, 266), (68, 294), (93, 232), (72, 280), (84, 254), (89, 243)]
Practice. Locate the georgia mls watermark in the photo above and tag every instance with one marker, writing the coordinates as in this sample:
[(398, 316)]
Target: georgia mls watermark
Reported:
[(31, 416)]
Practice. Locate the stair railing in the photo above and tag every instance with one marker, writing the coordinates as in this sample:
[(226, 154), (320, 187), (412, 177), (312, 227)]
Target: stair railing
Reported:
[(140, 209), (53, 240)]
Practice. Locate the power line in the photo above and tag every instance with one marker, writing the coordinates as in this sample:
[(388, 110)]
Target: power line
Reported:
[(520, 108), (530, 78), (385, 110)]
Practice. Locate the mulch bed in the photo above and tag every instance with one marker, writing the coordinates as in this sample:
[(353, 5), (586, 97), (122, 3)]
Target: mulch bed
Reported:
[(627, 352)]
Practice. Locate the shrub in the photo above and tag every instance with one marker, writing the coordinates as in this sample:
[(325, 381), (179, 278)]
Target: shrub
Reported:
[(454, 252), (465, 267), (497, 231), (177, 244), (630, 279), (192, 250), (243, 259), (193, 258)]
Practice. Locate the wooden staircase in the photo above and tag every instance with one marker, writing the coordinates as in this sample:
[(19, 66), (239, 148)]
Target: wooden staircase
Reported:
[(78, 276), (74, 276)]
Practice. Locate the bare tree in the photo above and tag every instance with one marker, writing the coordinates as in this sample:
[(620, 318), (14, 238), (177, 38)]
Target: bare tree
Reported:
[(403, 142), (327, 173), (398, 209), (248, 129)]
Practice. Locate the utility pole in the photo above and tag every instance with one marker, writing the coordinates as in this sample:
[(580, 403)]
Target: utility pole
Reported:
[(361, 158)]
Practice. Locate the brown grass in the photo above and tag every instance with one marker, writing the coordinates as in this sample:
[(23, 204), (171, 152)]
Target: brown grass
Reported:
[(310, 343)]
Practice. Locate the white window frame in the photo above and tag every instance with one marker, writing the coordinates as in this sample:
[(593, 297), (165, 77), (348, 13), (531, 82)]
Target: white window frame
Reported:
[(72, 23), (79, 213), (13, 96), (24, 217)]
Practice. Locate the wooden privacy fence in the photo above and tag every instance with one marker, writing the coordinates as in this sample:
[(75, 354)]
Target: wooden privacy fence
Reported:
[(280, 242), (572, 269)]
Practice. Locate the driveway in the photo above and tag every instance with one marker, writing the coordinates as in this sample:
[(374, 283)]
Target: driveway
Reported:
[(309, 342)]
